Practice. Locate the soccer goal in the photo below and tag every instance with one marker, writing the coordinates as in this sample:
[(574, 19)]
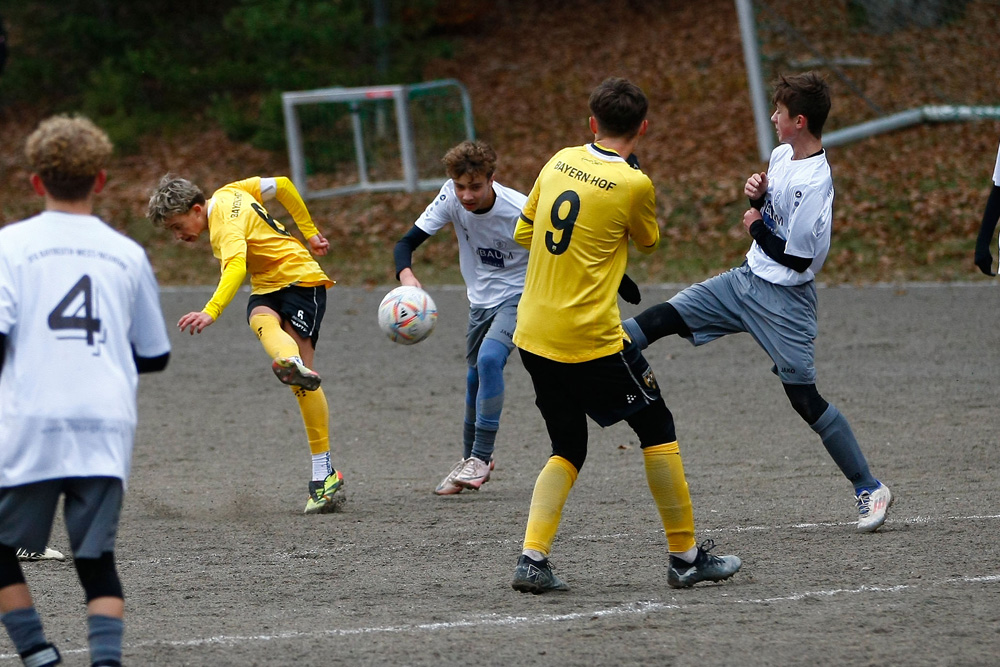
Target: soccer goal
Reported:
[(376, 138), (891, 63)]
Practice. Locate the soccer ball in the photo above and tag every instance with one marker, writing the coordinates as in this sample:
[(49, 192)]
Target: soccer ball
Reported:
[(407, 315)]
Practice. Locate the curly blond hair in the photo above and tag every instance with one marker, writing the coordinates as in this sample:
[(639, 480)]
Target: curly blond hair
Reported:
[(67, 153)]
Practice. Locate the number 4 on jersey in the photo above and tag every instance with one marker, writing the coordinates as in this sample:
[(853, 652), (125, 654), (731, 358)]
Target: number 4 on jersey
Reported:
[(67, 313)]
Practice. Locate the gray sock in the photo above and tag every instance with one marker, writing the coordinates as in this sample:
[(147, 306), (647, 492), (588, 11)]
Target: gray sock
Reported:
[(25, 628), (843, 447), (104, 635)]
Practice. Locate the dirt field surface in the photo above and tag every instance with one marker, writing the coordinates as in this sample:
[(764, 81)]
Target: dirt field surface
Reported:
[(221, 567)]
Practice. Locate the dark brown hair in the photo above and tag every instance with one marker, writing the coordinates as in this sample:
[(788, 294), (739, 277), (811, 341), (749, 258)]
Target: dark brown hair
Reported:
[(619, 106), (805, 94)]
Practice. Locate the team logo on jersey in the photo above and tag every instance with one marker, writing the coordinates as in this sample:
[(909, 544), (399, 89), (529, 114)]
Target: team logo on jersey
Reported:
[(500, 244), (494, 257)]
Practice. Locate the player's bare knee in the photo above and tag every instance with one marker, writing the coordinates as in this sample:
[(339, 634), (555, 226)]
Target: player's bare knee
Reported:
[(99, 577)]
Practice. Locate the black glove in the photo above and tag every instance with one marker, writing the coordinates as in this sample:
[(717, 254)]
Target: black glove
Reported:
[(984, 258), (629, 291)]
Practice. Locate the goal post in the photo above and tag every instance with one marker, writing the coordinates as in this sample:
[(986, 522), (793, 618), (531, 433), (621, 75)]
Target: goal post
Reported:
[(374, 138), (866, 46)]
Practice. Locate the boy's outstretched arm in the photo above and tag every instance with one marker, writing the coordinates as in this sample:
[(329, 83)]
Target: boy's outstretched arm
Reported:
[(288, 196), (984, 258)]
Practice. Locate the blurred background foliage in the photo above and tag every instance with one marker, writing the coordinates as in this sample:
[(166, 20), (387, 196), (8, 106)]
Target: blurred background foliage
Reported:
[(136, 67)]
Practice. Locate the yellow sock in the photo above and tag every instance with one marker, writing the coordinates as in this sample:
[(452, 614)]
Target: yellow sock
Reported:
[(665, 475), (551, 490), (315, 417), (276, 341)]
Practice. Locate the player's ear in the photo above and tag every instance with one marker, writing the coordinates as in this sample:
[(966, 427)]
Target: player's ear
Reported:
[(643, 126), (593, 125), (100, 180), (37, 185)]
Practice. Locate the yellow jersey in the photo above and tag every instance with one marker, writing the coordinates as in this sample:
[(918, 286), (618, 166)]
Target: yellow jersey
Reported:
[(585, 205), (245, 239)]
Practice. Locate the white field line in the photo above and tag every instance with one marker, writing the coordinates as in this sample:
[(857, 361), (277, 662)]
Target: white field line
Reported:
[(639, 608)]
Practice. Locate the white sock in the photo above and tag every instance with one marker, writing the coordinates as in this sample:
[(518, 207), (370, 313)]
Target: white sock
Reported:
[(534, 555), (687, 556), (321, 466)]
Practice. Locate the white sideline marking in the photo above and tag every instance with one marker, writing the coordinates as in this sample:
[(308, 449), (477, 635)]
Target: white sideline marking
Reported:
[(628, 609)]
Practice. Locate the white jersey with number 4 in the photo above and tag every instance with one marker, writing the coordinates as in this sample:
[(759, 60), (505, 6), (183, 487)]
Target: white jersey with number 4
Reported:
[(492, 263), (798, 208), (76, 297)]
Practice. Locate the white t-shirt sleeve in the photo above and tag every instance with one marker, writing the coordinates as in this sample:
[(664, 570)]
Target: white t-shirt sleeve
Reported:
[(148, 332), (438, 213), (996, 169), (807, 222), (8, 305)]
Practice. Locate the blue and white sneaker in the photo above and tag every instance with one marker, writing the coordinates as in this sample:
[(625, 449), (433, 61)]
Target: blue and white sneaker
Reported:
[(872, 507)]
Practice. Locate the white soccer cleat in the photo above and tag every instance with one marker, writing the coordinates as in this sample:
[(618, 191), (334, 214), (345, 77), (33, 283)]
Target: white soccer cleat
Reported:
[(48, 554), (474, 473), (872, 507), (448, 487)]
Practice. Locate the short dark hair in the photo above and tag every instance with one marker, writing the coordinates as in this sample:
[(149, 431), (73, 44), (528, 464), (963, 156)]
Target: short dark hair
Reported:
[(805, 94), (470, 157), (619, 107)]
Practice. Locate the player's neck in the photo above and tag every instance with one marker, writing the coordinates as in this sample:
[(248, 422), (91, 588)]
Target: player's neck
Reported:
[(81, 207), (617, 144), (806, 145)]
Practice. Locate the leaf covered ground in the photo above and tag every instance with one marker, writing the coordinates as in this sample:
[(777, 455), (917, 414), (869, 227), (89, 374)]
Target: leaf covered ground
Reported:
[(908, 203)]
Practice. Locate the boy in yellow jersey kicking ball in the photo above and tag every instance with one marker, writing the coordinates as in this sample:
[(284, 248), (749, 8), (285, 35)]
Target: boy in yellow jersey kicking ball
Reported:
[(585, 205), (288, 297)]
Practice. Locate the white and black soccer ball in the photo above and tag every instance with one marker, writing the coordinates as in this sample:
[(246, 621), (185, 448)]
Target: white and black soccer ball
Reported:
[(407, 315)]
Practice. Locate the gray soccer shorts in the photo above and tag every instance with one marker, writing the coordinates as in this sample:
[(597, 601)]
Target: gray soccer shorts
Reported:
[(91, 507), (496, 323), (781, 318)]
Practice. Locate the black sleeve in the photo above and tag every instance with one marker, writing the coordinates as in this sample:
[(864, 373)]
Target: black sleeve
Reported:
[(3, 347), (403, 252), (150, 364), (774, 247), (758, 203)]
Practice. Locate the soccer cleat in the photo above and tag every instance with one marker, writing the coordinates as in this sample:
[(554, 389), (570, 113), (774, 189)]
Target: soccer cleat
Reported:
[(291, 371), (43, 655), (872, 507), (48, 554), (534, 576), (474, 473), (326, 496), (705, 567), (448, 487)]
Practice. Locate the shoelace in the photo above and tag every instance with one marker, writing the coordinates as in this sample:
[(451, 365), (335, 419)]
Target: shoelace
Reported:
[(864, 502), (705, 548)]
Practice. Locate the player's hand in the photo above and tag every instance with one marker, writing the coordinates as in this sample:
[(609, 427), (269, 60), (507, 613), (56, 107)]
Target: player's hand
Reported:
[(319, 244), (984, 260), (756, 186), (751, 216), (629, 291), (407, 278), (196, 322)]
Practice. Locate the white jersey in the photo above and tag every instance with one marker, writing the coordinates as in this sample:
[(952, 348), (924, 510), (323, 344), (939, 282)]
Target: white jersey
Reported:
[(996, 170), (492, 263), (798, 208), (75, 298)]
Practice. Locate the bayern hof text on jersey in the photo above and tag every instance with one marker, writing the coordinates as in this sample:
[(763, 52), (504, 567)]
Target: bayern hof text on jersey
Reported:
[(583, 176)]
